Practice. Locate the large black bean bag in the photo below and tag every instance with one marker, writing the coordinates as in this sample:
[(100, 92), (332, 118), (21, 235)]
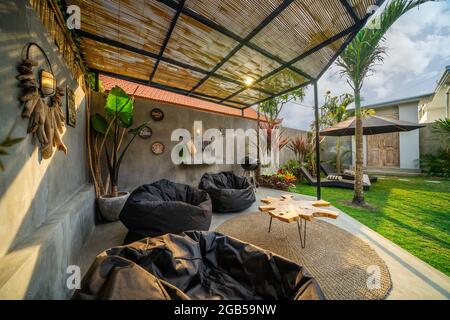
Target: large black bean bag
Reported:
[(196, 265), (228, 192), (165, 207)]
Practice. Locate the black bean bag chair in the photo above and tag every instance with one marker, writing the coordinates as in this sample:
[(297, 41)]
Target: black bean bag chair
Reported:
[(165, 207), (228, 192), (195, 265)]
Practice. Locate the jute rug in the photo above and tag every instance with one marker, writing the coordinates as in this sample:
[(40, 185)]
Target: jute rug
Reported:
[(341, 262)]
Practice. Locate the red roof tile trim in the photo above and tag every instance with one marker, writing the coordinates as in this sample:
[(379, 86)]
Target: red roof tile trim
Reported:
[(150, 93)]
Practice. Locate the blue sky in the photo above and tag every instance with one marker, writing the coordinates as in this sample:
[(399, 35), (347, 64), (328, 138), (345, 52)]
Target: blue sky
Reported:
[(418, 49)]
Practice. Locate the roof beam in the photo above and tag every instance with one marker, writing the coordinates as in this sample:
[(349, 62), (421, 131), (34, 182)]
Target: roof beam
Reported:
[(353, 33), (350, 10), (117, 44), (337, 54), (192, 14), (175, 5), (168, 88), (245, 41), (166, 40), (302, 56), (284, 92)]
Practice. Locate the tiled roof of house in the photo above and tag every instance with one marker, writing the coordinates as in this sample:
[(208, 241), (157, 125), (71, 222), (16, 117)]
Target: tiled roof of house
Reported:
[(150, 93)]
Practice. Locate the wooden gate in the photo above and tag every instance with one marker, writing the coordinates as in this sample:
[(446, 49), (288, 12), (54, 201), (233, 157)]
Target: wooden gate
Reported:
[(383, 150)]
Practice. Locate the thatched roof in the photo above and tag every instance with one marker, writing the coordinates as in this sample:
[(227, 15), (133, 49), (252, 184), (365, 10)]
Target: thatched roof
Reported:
[(234, 52)]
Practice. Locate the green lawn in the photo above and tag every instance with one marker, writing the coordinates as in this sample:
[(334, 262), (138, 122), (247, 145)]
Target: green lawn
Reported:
[(415, 214)]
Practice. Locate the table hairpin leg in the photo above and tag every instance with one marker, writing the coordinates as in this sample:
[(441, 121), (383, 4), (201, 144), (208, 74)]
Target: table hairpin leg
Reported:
[(299, 227), (270, 223)]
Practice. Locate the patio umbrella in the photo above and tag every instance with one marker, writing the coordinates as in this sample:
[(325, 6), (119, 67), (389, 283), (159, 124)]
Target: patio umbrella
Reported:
[(371, 125)]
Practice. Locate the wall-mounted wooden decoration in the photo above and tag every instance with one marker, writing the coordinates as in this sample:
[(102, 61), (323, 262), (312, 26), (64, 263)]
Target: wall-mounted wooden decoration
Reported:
[(158, 148), (71, 109), (146, 132), (157, 114), (46, 117)]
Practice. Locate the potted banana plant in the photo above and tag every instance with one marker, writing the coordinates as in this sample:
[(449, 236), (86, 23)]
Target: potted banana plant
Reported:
[(110, 146)]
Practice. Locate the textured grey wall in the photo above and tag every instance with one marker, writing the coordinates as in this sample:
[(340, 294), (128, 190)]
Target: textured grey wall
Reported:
[(141, 166), (40, 208), (429, 141)]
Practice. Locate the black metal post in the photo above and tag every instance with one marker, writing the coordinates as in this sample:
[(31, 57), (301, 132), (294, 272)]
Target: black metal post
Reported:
[(258, 154), (97, 81), (316, 113)]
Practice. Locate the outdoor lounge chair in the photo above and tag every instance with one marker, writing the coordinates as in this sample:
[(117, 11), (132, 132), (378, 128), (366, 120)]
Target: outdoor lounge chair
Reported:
[(165, 207), (228, 191), (328, 170), (195, 265), (343, 183)]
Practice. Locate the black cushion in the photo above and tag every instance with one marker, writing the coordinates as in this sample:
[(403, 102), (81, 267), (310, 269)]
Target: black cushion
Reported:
[(165, 207), (228, 191), (196, 265)]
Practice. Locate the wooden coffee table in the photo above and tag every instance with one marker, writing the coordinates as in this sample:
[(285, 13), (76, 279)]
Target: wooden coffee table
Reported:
[(287, 209)]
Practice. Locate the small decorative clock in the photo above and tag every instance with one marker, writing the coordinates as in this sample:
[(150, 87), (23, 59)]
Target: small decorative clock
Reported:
[(157, 114), (157, 148), (146, 132)]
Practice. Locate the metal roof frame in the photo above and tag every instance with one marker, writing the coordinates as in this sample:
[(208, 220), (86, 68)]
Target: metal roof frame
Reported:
[(180, 8)]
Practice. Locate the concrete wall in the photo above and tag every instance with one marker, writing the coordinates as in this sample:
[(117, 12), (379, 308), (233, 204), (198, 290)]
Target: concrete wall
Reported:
[(409, 141), (286, 154), (141, 166), (46, 206), (430, 142)]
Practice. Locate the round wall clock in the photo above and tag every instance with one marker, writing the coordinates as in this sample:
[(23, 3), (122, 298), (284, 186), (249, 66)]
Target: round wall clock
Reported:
[(146, 132), (157, 114), (158, 148)]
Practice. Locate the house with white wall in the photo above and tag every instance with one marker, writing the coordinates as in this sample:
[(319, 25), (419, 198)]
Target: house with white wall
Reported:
[(437, 106), (401, 151), (397, 150)]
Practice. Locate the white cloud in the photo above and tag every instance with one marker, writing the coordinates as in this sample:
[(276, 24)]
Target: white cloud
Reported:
[(432, 14)]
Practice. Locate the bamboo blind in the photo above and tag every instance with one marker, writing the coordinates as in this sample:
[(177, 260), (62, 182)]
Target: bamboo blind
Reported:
[(51, 17), (212, 47)]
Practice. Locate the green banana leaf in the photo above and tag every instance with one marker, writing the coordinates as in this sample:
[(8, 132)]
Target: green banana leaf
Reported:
[(99, 123), (118, 102)]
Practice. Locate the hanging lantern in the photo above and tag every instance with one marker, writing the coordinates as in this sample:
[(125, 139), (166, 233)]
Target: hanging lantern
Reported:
[(47, 83)]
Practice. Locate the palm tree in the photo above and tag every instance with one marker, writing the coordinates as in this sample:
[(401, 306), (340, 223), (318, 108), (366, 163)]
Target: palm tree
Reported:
[(358, 60)]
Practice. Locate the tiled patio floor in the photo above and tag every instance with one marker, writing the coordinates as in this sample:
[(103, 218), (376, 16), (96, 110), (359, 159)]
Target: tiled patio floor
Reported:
[(411, 277)]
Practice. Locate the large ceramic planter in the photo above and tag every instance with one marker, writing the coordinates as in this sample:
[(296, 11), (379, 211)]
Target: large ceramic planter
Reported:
[(110, 207)]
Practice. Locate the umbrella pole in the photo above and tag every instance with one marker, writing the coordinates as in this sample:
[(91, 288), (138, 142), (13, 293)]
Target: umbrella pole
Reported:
[(316, 113)]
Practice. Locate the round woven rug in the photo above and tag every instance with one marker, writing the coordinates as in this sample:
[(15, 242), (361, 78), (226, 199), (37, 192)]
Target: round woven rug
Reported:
[(342, 263)]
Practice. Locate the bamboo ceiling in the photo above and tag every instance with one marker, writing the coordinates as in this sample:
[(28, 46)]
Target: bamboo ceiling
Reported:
[(234, 52)]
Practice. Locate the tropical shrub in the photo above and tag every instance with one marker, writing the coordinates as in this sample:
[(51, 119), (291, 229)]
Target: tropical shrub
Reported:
[(439, 164), (436, 165), (292, 166), (282, 180), (300, 146), (286, 176)]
